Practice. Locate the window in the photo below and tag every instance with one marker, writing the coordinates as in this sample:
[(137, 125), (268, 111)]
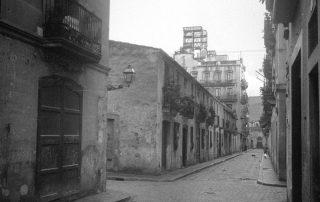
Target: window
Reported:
[(192, 90), (206, 75), (229, 91), (194, 74), (217, 92), (210, 139), (176, 135), (313, 31), (218, 76), (229, 75), (178, 81), (185, 83)]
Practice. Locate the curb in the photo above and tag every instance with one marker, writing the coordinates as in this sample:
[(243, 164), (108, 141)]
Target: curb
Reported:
[(172, 179), (260, 181), (270, 184), (200, 169), (127, 199)]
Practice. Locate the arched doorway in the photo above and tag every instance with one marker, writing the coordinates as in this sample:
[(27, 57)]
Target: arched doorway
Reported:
[(259, 142)]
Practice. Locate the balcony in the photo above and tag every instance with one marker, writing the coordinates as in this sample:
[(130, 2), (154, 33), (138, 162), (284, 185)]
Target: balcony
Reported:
[(244, 99), (218, 83), (72, 28), (284, 11), (228, 98), (244, 84)]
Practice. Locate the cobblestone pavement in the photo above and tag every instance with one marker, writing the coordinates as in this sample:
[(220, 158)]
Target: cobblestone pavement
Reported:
[(232, 181)]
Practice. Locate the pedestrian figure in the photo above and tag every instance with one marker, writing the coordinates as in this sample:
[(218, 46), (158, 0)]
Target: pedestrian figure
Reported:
[(265, 152)]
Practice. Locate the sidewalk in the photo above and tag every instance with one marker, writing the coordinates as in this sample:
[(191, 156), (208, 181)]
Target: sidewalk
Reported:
[(267, 175), (171, 175), (109, 196)]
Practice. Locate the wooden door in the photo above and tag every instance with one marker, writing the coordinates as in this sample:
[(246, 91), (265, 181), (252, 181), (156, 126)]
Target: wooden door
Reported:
[(165, 135), (59, 138), (184, 145), (110, 144)]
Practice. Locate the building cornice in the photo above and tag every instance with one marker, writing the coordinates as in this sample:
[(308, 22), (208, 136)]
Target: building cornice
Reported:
[(15, 32)]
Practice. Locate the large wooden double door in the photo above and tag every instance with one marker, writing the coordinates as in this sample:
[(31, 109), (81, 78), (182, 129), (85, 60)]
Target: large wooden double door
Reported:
[(59, 138)]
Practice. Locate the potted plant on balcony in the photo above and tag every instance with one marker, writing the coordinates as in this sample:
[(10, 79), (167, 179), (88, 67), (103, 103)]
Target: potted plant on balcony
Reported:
[(186, 107), (244, 84), (211, 116), (244, 99), (202, 113)]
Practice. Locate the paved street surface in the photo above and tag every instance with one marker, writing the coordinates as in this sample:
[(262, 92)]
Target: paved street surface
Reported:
[(231, 181)]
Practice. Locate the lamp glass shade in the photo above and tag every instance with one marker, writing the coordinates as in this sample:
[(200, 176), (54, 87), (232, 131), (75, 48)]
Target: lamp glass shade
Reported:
[(129, 74)]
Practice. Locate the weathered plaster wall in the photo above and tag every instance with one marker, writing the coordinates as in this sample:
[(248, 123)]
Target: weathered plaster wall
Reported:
[(136, 106), (21, 66)]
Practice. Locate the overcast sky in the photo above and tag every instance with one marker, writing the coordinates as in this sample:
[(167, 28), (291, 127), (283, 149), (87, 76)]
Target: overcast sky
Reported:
[(235, 27)]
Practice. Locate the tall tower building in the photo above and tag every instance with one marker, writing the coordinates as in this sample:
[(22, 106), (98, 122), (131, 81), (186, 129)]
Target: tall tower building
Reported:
[(195, 41)]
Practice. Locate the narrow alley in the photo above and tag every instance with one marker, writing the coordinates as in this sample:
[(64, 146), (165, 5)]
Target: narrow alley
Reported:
[(233, 180)]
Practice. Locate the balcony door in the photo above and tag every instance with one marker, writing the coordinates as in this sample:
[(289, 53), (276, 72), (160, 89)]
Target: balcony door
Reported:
[(59, 138)]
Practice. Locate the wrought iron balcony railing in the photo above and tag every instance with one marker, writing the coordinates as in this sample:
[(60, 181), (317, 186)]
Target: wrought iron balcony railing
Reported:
[(228, 98), (215, 83), (71, 26)]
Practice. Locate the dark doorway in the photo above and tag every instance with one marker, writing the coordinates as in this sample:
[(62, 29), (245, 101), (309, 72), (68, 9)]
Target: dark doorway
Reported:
[(59, 138), (259, 143), (219, 144), (296, 129), (184, 145), (165, 134), (314, 131), (198, 142), (110, 144)]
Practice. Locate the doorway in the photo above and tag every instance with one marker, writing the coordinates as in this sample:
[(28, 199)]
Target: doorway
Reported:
[(110, 144), (314, 131), (184, 145), (198, 145), (165, 134), (296, 129), (259, 143), (59, 138)]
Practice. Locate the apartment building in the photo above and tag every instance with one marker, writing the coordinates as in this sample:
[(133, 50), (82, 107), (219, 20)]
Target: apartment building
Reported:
[(54, 72)]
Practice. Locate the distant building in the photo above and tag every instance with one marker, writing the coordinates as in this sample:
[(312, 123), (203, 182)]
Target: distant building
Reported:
[(256, 138), (223, 78), (165, 120), (195, 41)]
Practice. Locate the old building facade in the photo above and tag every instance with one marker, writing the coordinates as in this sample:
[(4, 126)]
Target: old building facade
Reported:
[(297, 51), (166, 119), (53, 69), (222, 77)]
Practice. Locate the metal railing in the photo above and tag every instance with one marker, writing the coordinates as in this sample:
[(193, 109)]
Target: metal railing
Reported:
[(70, 20), (230, 98)]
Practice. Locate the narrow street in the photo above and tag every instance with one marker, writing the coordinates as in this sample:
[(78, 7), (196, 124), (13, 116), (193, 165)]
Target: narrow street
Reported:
[(234, 180)]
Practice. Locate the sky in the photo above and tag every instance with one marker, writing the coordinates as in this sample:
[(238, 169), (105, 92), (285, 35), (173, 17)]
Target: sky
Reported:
[(235, 27)]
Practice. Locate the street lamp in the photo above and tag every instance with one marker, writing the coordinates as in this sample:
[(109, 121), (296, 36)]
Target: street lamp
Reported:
[(128, 77)]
